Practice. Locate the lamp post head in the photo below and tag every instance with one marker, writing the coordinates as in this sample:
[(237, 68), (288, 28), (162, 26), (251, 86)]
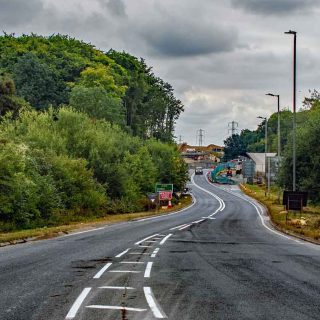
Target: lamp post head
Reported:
[(270, 94), (291, 32)]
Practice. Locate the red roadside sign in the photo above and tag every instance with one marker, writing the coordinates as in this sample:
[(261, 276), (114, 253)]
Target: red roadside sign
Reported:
[(165, 195)]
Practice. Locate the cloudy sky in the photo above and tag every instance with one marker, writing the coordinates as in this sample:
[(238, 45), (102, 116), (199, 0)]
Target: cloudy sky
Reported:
[(221, 56)]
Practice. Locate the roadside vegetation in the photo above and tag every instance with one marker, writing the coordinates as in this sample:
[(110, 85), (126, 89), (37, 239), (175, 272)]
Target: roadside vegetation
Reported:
[(305, 224), (83, 134)]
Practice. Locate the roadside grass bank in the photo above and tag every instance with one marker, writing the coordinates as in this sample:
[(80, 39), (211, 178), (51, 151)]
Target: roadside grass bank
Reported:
[(305, 225), (84, 223)]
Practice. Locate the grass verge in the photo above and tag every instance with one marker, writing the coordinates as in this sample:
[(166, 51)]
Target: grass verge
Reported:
[(20, 236), (305, 225)]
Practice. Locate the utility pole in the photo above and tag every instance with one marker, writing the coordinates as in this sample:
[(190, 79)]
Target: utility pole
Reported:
[(233, 128), (180, 139), (200, 137)]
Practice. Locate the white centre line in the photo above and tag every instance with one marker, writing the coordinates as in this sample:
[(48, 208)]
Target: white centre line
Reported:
[(77, 304), (165, 239), (154, 306), (154, 253), (101, 272), (124, 271), (116, 308), (198, 221), (139, 253), (132, 262), (178, 226), (116, 288), (188, 225), (147, 238), (148, 270), (140, 246), (122, 253)]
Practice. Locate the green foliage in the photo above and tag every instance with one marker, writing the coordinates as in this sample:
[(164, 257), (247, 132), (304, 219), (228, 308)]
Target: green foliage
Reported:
[(234, 147), (62, 160), (98, 104), (9, 102), (307, 157)]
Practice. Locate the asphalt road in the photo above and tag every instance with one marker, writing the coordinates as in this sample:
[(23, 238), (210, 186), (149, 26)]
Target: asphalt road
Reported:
[(219, 259)]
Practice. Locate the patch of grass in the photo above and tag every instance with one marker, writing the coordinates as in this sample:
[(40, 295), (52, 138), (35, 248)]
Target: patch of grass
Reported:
[(305, 224), (84, 223)]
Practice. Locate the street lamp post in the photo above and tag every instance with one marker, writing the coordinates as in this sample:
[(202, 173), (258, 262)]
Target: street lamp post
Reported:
[(265, 151), (294, 33), (279, 134)]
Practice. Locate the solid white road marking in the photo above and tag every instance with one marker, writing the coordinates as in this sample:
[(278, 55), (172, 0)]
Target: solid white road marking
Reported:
[(154, 253), (139, 253), (148, 270), (170, 214), (81, 232), (101, 272), (154, 306), (140, 246), (188, 225), (178, 227), (221, 202), (115, 308), (210, 218), (147, 238), (132, 262), (165, 238), (195, 222), (77, 304), (117, 288), (122, 253), (124, 271)]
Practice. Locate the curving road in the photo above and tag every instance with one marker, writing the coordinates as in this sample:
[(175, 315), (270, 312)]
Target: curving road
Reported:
[(219, 259)]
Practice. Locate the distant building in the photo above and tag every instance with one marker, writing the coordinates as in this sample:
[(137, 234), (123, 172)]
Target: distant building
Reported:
[(259, 160)]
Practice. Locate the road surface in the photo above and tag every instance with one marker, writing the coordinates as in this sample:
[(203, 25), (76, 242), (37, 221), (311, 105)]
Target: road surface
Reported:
[(219, 259)]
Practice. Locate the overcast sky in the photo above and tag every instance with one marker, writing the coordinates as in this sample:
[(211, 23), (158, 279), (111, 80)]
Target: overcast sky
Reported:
[(221, 56)]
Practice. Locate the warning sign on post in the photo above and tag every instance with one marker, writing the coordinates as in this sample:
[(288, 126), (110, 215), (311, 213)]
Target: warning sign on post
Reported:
[(165, 195)]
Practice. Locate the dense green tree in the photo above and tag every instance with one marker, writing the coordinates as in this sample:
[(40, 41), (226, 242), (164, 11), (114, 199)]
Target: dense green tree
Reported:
[(234, 147)]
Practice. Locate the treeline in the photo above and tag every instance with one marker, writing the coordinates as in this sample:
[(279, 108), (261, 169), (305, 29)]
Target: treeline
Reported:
[(81, 132), (114, 86), (307, 145)]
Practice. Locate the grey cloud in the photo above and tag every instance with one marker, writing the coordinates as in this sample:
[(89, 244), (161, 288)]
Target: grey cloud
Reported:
[(16, 12), (184, 38), (115, 7), (275, 7)]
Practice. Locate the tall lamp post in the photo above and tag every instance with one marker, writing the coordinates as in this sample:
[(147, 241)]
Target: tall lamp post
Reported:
[(265, 151), (279, 135), (294, 33)]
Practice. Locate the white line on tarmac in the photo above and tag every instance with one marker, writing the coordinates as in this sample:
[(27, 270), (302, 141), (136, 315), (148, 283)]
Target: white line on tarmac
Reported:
[(178, 227), (154, 253), (117, 288), (132, 262), (195, 222), (185, 227), (115, 308), (122, 253), (165, 238), (124, 271), (170, 214), (148, 270), (152, 302), (147, 238), (77, 304), (140, 246), (81, 232), (210, 218), (139, 253), (101, 272), (221, 202)]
